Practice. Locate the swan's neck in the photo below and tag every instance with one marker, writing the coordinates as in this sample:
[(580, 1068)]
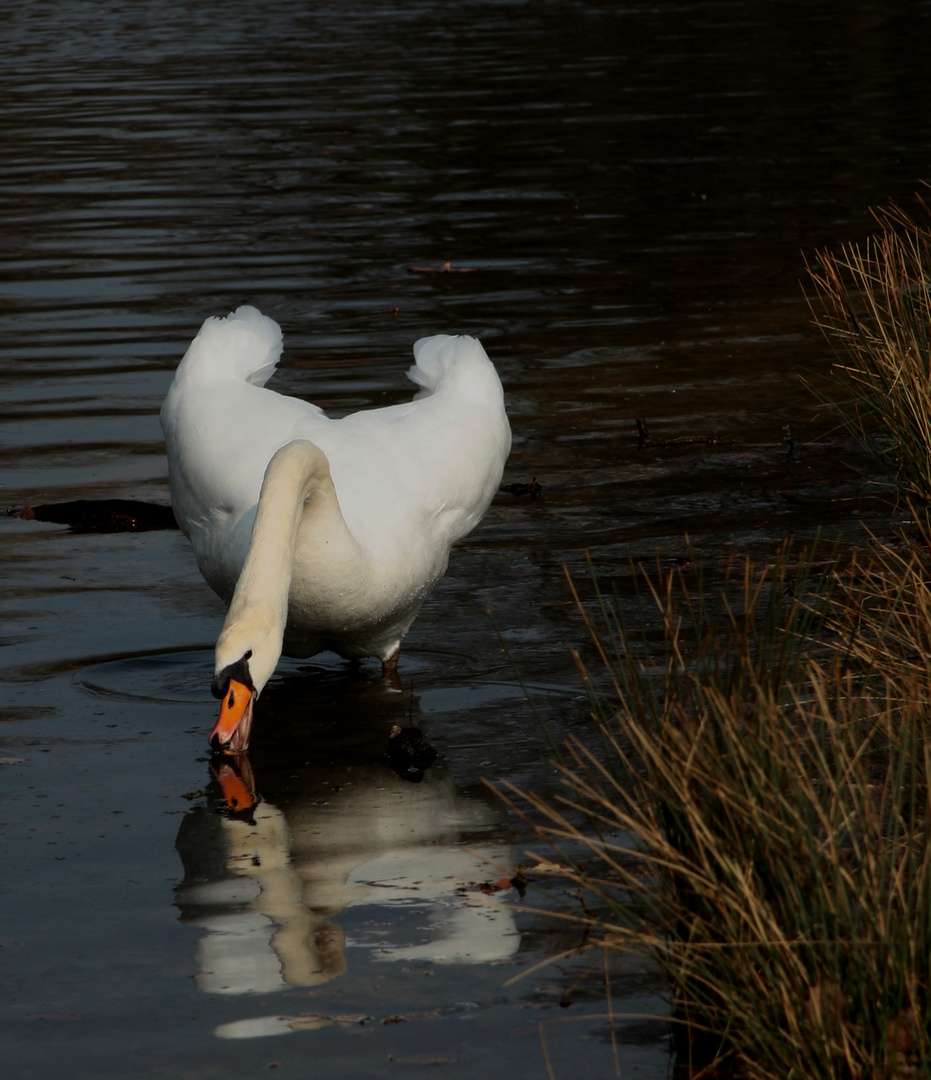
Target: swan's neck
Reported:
[(297, 483)]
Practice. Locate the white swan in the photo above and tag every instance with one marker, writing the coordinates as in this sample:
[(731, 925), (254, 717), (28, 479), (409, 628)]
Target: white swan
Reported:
[(322, 534)]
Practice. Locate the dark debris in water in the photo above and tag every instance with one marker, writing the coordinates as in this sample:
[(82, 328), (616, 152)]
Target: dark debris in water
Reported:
[(101, 515), (409, 753), (533, 489), (644, 439), (519, 881), (446, 268)]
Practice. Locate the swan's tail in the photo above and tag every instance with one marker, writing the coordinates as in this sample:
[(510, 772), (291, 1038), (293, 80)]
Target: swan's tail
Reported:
[(438, 357), (245, 346)]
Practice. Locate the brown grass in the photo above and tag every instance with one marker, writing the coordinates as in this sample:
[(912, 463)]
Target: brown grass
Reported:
[(873, 302), (754, 810), (755, 815)]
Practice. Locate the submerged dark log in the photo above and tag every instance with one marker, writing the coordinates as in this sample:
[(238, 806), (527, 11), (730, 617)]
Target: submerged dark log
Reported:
[(102, 515)]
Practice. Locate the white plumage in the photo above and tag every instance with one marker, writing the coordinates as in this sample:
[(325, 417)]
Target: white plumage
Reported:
[(357, 515)]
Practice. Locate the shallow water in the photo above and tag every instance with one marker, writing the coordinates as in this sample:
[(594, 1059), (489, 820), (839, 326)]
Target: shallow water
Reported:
[(623, 193)]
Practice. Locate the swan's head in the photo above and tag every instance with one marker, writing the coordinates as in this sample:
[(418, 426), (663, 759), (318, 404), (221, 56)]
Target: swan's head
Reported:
[(234, 685), (246, 655)]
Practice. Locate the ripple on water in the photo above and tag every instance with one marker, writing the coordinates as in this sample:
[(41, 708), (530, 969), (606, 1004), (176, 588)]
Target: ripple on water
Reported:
[(179, 678)]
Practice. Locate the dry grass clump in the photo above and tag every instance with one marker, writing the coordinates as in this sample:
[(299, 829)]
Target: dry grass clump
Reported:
[(755, 812), (873, 302), (756, 816)]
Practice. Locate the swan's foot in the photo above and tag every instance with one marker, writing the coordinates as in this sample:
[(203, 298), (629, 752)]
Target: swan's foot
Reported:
[(389, 669)]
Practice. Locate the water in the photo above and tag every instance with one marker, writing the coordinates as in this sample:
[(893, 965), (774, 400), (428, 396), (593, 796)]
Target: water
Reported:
[(623, 193)]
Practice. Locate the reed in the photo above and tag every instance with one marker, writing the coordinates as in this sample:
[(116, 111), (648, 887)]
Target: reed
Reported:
[(754, 811), (873, 302)]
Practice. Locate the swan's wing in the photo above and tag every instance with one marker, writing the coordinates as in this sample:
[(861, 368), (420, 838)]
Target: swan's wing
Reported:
[(245, 346), (222, 426), (436, 358), (428, 468)]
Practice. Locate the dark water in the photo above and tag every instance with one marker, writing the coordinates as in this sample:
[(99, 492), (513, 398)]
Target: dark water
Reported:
[(627, 190)]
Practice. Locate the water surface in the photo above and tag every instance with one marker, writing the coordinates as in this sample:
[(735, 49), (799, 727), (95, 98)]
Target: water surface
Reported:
[(623, 194)]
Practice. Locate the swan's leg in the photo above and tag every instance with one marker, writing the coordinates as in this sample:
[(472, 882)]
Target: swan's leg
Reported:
[(390, 666), (389, 669)]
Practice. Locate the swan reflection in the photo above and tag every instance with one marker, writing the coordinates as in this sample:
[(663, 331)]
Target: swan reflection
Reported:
[(264, 883)]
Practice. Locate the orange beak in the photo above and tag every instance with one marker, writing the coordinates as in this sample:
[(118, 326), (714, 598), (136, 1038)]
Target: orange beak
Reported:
[(230, 733)]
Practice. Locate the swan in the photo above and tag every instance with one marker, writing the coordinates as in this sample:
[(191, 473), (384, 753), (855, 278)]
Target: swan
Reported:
[(322, 533)]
